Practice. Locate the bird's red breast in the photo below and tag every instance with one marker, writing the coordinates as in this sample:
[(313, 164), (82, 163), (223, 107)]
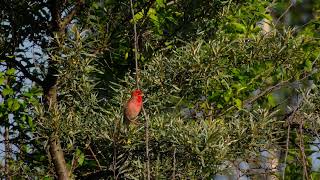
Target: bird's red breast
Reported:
[(134, 105)]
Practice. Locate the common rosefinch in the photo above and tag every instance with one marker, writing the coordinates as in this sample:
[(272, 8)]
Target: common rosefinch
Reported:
[(133, 107)]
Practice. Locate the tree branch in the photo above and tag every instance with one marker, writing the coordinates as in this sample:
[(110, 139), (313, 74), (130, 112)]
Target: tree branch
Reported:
[(58, 158), (23, 69), (266, 91), (66, 20)]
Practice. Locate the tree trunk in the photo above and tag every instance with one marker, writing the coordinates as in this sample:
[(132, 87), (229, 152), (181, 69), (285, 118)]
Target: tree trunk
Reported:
[(50, 88), (50, 95), (58, 158), (56, 152)]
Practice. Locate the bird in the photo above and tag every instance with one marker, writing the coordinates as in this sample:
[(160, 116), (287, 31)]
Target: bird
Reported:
[(133, 107)]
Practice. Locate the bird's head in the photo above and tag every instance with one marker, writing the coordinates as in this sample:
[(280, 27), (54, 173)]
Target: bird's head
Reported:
[(137, 93)]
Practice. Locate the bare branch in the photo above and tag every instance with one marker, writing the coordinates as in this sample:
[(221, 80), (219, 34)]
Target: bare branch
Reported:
[(135, 45), (302, 150), (23, 69), (266, 91), (147, 142), (289, 121), (71, 14), (94, 156)]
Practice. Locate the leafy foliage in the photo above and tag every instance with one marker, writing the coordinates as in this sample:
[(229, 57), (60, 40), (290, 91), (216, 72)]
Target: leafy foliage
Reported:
[(218, 91), (16, 106)]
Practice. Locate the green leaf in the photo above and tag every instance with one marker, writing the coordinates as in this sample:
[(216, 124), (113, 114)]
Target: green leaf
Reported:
[(138, 16), (81, 159), (238, 103), (226, 98), (95, 5), (23, 118), (7, 91), (80, 156), (1, 80), (30, 122), (267, 16), (10, 71), (9, 103), (153, 16), (315, 175), (227, 95), (126, 56), (308, 66), (160, 3), (271, 101), (15, 105), (238, 27)]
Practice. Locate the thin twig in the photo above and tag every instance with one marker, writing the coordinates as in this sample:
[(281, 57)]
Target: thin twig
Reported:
[(287, 150), (284, 13), (174, 163), (137, 84), (290, 118), (275, 87), (147, 142), (115, 145), (94, 156), (303, 155), (266, 91), (74, 163), (135, 44)]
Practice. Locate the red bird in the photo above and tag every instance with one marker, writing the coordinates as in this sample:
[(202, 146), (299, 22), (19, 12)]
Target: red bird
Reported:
[(133, 107)]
